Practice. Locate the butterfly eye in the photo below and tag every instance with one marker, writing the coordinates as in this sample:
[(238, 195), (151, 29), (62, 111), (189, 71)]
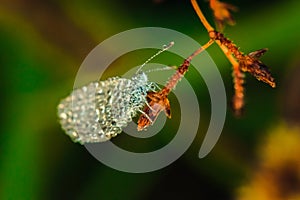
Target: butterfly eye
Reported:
[(152, 87)]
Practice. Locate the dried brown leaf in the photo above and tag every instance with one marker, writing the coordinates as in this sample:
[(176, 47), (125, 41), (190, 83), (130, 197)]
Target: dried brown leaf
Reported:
[(222, 13)]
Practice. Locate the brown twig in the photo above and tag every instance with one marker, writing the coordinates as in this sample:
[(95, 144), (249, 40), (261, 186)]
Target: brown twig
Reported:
[(240, 62)]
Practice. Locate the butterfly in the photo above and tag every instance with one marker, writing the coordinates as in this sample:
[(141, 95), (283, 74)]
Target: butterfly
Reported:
[(99, 110)]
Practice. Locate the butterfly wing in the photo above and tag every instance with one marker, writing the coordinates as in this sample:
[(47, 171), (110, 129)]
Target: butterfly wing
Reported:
[(86, 114)]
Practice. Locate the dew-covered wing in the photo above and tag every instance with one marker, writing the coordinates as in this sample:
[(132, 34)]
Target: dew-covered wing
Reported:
[(86, 114)]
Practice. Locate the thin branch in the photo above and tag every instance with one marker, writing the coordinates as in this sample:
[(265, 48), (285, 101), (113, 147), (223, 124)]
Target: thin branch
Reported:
[(201, 16)]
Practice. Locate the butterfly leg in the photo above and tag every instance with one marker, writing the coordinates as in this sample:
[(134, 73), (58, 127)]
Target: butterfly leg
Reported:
[(147, 116)]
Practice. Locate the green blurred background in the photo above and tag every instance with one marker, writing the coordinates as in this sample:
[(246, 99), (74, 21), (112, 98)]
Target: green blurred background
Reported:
[(42, 46)]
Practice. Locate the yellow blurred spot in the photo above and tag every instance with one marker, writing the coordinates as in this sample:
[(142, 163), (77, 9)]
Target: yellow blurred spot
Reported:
[(277, 175)]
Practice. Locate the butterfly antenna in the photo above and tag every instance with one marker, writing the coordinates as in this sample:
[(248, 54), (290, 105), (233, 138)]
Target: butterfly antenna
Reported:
[(161, 69), (165, 47)]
